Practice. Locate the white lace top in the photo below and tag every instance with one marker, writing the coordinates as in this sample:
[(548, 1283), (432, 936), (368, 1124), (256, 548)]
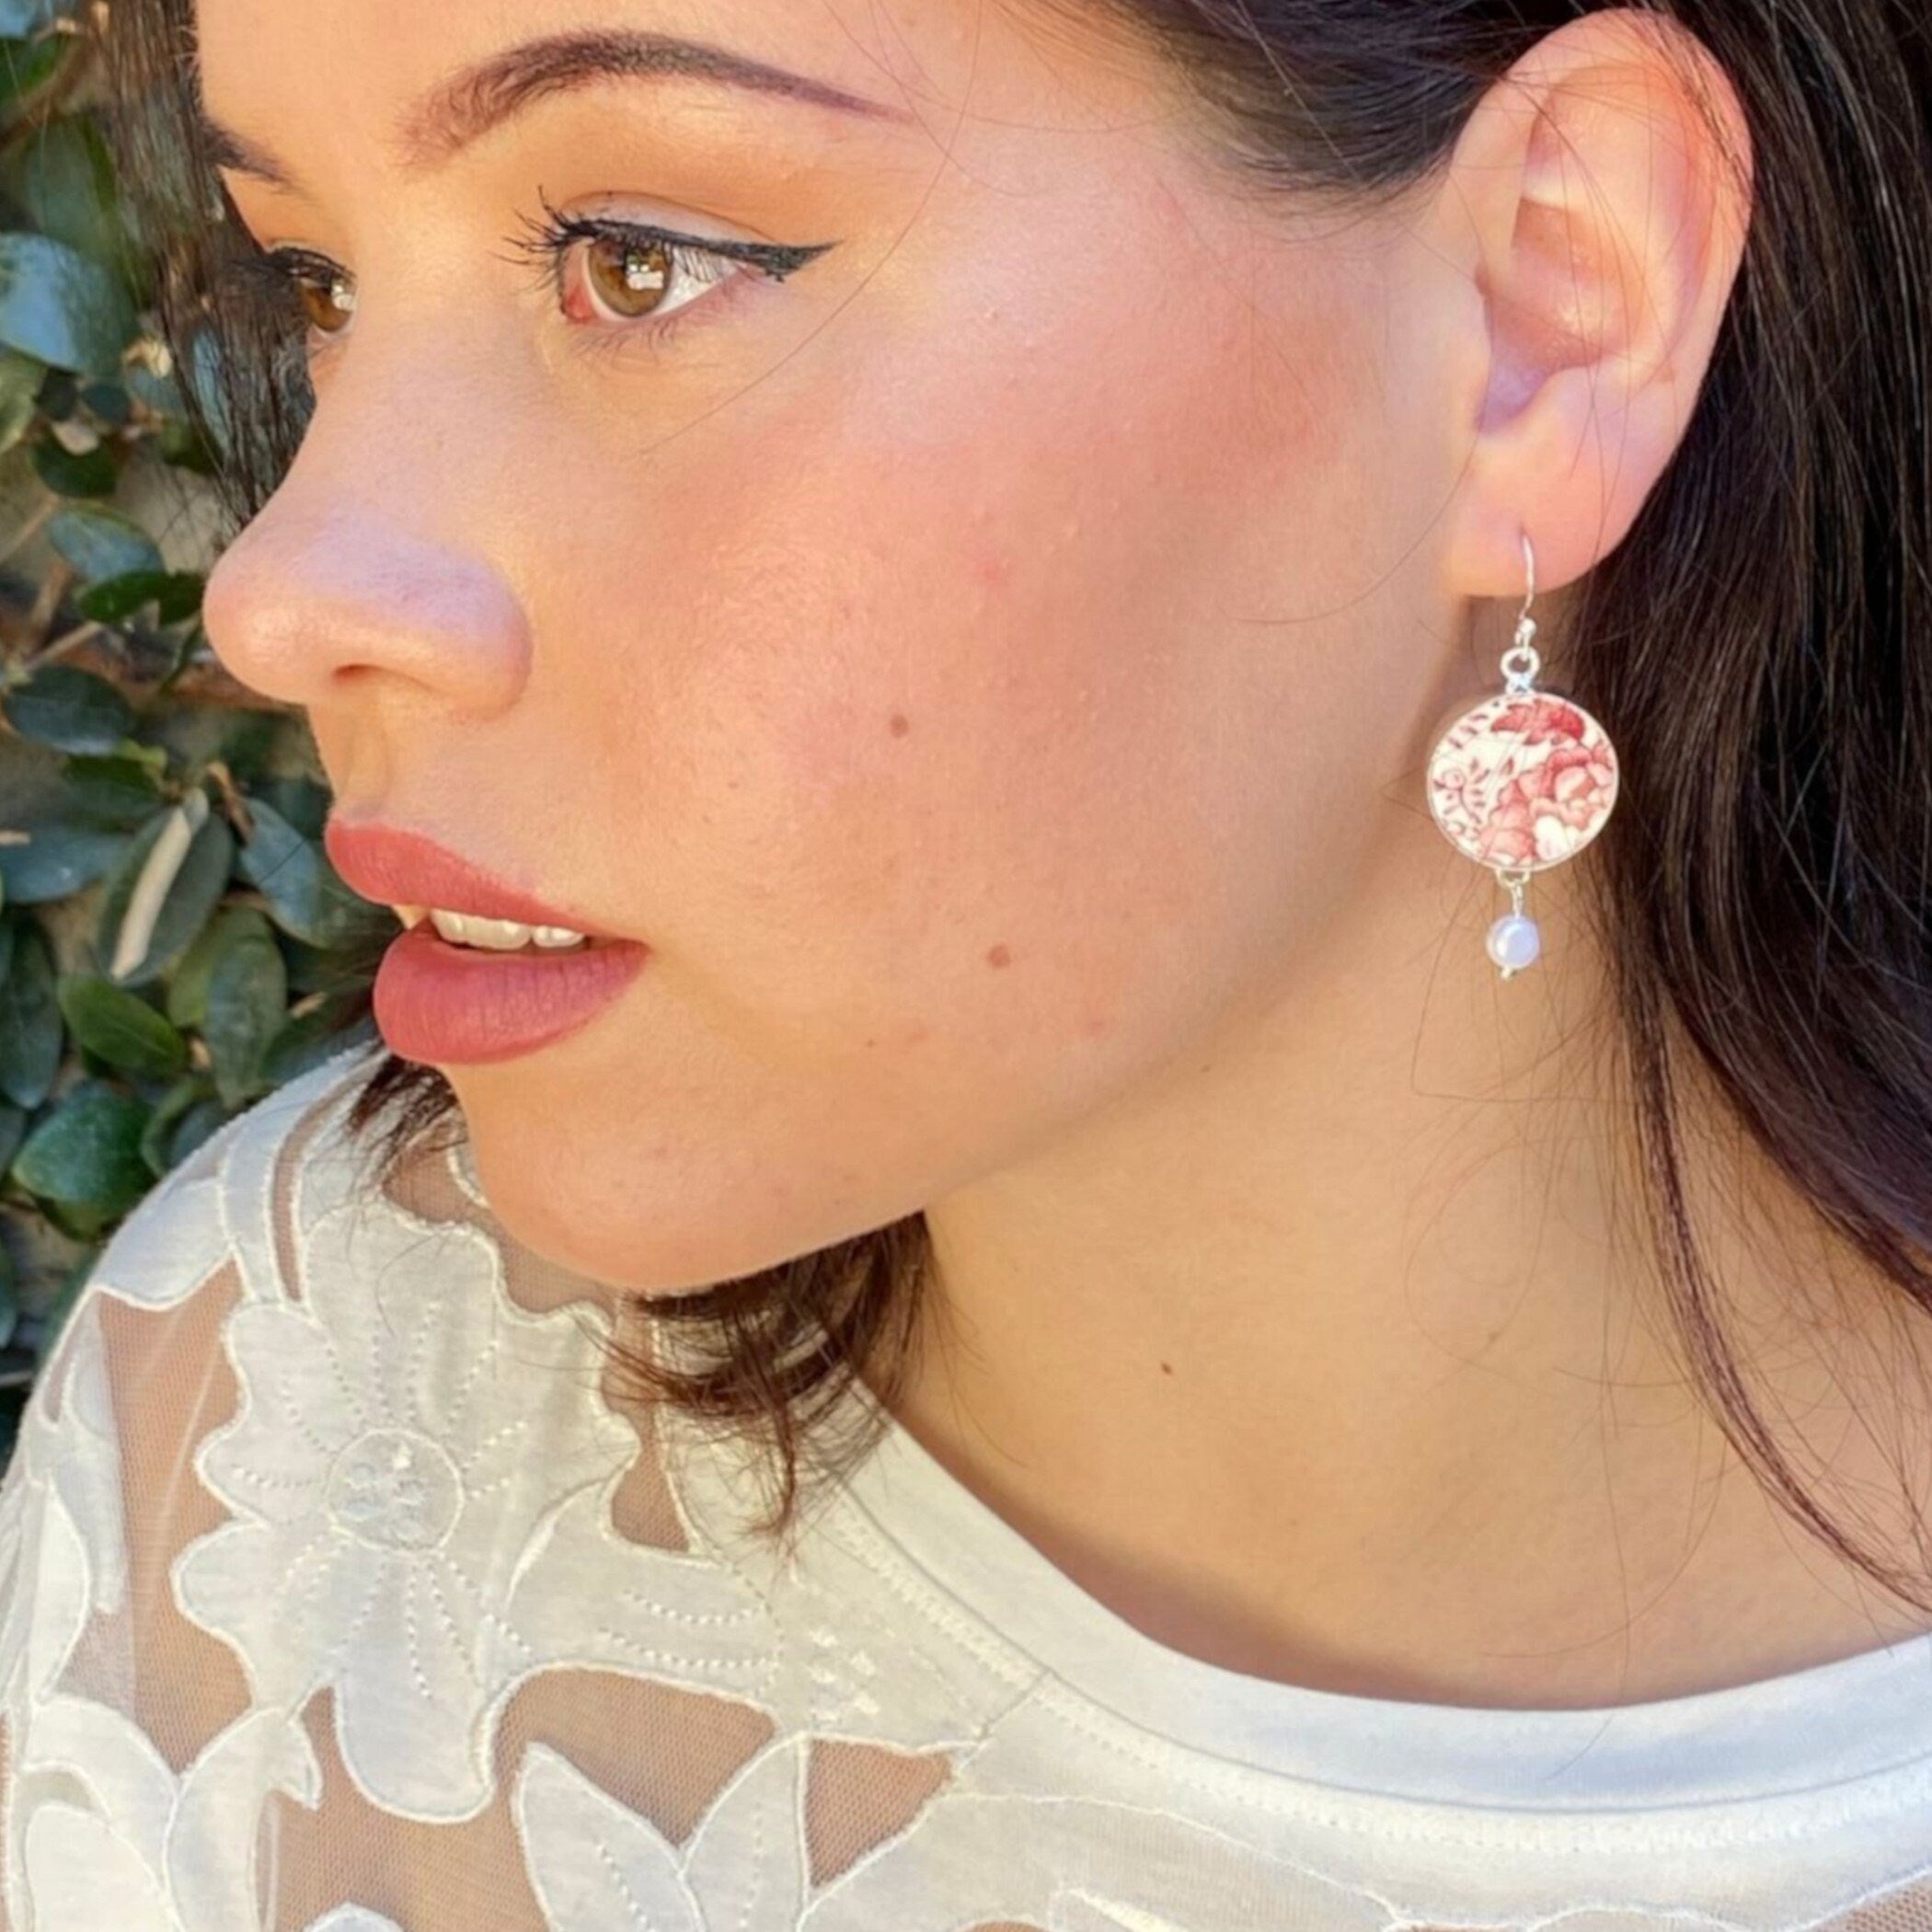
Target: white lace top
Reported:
[(339, 1595)]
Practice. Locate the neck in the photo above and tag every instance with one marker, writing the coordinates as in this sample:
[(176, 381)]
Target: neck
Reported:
[(1334, 1352)]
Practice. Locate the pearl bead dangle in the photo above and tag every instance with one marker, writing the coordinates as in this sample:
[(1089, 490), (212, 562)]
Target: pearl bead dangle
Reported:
[(1521, 782)]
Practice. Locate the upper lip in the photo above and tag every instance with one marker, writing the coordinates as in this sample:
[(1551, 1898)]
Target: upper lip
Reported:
[(395, 867)]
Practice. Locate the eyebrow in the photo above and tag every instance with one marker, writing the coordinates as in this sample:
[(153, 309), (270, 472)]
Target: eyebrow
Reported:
[(471, 102)]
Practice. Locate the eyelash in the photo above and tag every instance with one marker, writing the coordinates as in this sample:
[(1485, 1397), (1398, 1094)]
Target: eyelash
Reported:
[(547, 242)]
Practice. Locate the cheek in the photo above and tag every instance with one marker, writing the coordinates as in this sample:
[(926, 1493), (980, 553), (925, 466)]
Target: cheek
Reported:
[(971, 719), (961, 709)]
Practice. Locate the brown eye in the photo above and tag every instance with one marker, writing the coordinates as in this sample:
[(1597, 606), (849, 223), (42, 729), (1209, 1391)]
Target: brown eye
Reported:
[(328, 306), (628, 277), (620, 280)]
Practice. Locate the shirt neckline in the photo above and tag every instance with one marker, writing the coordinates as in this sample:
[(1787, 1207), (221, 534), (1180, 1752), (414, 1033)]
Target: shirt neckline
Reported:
[(1856, 1717)]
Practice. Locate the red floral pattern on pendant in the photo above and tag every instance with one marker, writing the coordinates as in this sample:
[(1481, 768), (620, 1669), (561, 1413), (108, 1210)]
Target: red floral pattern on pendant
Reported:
[(1524, 780)]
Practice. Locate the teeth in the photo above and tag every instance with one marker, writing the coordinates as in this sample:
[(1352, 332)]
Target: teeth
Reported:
[(496, 935)]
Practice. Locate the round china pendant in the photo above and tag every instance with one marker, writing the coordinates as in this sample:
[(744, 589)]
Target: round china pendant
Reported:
[(1522, 781)]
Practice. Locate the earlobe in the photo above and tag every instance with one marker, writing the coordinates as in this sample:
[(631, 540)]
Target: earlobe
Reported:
[(1602, 188)]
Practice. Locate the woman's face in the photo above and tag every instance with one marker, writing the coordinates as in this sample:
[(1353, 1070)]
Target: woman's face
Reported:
[(975, 664)]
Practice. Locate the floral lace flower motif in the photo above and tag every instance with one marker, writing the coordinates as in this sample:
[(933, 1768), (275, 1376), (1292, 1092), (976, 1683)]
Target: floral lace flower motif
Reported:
[(596, 1867), (62, 1554), (147, 1851), (420, 1474)]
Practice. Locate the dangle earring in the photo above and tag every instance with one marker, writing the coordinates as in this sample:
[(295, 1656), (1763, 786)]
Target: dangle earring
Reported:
[(1521, 782)]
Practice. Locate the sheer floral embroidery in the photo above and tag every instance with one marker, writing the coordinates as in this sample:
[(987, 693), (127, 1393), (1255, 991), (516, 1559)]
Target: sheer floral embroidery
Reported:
[(415, 1677), (417, 1527), (151, 1853), (597, 1868), (61, 1540)]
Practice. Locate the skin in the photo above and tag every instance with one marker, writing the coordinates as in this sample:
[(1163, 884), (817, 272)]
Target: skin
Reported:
[(993, 670)]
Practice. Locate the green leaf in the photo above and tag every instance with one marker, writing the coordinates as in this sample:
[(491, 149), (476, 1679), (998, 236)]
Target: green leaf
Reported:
[(175, 594), (187, 985), (196, 735), (59, 306), (62, 177), (190, 648), (59, 395), (306, 895), (314, 969), (109, 401), (71, 709), (153, 757), (16, 415), (93, 473), (19, 390), (13, 1131), (205, 372), (56, 1317), (204, 1117), (158, 1136), (121, 791), (246, 1003), (26, 66), (87, 1153), (297, 798), (31, 1034), (163, 892), (184, 446), (180, 597), (18, 19), (102, 543), (59, 856), (304, 1042), (57, 861), (120, 1027), (160, 393), (10, 1299)]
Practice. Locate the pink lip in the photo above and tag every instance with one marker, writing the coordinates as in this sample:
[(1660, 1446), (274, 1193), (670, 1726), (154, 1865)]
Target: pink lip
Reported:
[(397, 867), (441, 1003), (447, 1003)]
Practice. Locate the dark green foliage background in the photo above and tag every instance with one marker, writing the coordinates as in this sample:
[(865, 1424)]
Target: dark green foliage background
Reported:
[(174, 943)]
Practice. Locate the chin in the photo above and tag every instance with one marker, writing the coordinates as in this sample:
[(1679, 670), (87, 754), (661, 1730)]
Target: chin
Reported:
[(630, 1247)]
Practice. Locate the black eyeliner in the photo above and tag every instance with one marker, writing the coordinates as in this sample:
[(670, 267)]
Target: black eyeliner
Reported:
[(556, 231)]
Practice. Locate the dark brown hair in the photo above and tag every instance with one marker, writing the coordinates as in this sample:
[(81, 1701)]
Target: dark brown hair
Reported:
[(1759, 646)]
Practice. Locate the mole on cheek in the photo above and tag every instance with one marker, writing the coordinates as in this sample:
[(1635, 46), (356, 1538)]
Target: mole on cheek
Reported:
[(999, 956), (899, 724)]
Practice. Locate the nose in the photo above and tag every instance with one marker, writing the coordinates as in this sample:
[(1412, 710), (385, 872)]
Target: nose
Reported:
[(331, 583)]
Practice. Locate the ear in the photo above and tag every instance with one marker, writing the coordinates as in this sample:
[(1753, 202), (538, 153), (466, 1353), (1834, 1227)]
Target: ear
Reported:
[(1596, 203)]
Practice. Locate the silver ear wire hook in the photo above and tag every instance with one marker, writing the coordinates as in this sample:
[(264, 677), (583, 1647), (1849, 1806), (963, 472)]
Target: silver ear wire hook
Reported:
[(1521, 661)]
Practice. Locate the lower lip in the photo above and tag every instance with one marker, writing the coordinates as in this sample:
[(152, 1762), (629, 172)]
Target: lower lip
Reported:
[(440, 1003)]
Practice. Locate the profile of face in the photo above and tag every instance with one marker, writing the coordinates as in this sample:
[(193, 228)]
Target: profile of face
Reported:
[(978, 661)]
